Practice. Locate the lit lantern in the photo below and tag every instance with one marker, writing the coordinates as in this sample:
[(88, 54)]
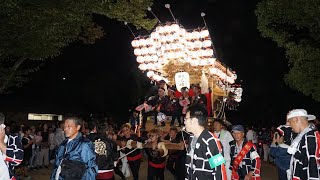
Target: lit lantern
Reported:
[(150, 66), (157, 66), (143, 67), (203, 62), (148, 41), (167, 29), (154, 58), (189, 36), (134, 43), (207, 43), (197, 44), (194, 63), (137, 52), (211, 61), (142, 42), (209, 52), (182, 79), (144, 51), (195, 35), (140, 59), (213, 71), (148, 58), (175, 27), (204, 33), (150, 74)]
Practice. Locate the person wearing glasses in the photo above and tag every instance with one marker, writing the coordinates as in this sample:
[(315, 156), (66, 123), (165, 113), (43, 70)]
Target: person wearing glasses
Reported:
[(204, 153)]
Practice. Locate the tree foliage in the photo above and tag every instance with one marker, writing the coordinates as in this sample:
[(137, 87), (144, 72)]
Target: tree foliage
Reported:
[(36, 30), (295, 26)]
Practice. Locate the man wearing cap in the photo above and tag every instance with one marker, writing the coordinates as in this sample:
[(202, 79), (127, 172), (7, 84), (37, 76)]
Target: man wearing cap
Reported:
[(204, 154), (225, 138), (305, 148), (245, 160)]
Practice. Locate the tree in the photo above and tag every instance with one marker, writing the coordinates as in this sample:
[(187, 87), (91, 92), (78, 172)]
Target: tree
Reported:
[(295, 26), (34, 31)]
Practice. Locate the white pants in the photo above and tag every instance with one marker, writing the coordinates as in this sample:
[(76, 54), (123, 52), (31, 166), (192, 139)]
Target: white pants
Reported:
[(44, 157), (265, 152), (228, 170)]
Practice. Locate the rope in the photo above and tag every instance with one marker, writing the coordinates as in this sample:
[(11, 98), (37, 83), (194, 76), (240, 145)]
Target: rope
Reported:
[(127, 153)]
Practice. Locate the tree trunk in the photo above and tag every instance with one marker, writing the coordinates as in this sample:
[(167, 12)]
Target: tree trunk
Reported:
[(16, 65)]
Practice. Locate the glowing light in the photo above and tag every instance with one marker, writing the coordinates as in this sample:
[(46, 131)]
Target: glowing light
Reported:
[(172, 43)]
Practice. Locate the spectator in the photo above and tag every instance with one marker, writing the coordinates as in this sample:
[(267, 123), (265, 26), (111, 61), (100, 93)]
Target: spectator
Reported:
[(37, 142), (44, 150), (278, 150), (51, 144), (59, 136), (10, 150), (225, 138), (305, 147), (265, 140), (76, 154), (27, 148), (33, 162), (244, 156), (252, 136)]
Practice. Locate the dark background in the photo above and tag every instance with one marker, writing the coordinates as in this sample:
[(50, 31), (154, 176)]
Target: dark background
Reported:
[(100, 78)]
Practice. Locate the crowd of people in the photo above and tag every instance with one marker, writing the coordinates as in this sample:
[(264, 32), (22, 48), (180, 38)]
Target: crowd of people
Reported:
[(194, 149)]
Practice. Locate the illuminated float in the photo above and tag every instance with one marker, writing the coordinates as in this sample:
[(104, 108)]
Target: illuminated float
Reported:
[(182, 57)]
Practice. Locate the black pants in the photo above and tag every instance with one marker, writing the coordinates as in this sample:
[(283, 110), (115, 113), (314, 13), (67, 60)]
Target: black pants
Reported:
[(145, 117), (171, 167), (174, 117), (134, 167), (180, 167), (119, 173), (155, 173)]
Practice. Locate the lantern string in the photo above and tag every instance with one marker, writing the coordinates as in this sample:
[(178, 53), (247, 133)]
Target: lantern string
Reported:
[(149, 9), (168, 7), (125, 23)]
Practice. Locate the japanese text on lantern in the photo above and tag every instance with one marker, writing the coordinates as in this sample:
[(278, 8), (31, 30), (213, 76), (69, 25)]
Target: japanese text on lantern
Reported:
[(182, 80)]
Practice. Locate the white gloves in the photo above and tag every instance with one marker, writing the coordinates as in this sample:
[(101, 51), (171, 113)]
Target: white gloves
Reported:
[(139, 145), (129, 144)]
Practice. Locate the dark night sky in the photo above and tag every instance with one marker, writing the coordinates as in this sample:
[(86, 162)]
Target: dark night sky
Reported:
[(98, 77)]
